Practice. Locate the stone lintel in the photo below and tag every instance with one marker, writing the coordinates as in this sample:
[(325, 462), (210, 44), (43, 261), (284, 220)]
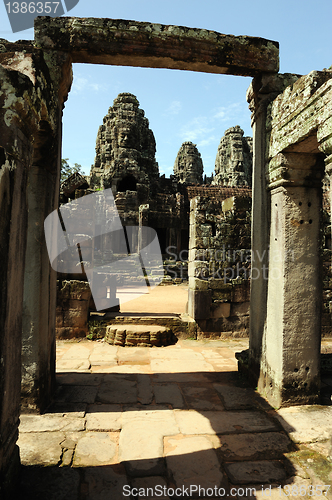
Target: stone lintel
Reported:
[(132, 43), (295, 169)]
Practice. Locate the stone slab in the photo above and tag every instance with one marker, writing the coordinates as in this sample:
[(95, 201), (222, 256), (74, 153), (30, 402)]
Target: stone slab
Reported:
[(193, 461), (94, 449), (72, 365), (170, 394), (132, 43), (134, 356), (79, 378), (76, 352), (66, 410), (46, 423), (306, 423), (103, 354), (104, 483), (236, 398), (258, 472), (201, 397), (145, 458), (179, 366), (104, 418), (39, 448), (227, 422), (144, 388), (76, 394), (162, 420), (117, 391), (265, 445)]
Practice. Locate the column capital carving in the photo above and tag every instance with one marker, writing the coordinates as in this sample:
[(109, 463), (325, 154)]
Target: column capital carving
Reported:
[(264, 88), (295, 169)]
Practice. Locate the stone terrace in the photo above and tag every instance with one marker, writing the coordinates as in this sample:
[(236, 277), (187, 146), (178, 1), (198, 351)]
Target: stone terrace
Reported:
[(174, 417)]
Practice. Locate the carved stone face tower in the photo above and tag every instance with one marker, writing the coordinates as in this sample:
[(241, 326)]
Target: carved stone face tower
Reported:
[(233, 165), (188, 166), (125, 147)]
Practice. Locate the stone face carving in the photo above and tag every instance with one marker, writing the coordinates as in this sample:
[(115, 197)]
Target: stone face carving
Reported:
[(125, 147), (233, 166), (188, 166)]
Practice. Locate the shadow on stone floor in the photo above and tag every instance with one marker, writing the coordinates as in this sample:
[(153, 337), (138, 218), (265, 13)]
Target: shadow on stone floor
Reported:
[(174, 430)]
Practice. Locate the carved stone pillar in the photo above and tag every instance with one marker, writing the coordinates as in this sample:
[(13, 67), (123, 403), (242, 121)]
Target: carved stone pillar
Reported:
[(289, 369), (263, 89)]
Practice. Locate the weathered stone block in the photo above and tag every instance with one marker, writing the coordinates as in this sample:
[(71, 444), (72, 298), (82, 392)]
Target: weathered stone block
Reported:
[(222, 309), (199, 303)]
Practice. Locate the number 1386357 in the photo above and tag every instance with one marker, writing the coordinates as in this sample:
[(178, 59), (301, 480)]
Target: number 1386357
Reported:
[(32, 7)]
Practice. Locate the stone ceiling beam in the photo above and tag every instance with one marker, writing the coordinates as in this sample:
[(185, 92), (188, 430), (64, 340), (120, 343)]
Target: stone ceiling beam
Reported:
[(131, 43)]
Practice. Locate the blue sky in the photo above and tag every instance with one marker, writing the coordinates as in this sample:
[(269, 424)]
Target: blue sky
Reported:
[(182, 105)]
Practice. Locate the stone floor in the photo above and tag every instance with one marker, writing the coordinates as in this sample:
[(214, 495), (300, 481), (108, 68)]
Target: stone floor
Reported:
[(171, 422)]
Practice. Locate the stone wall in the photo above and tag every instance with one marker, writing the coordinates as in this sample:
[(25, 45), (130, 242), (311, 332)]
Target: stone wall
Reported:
[(219, 265), (31, 100)]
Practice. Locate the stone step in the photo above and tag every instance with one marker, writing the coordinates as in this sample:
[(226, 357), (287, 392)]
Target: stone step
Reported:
[(139, 335), (182, 325)]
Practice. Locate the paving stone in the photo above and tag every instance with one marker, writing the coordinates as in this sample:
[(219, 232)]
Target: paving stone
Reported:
[(76, 394), (77, 352), (141, 449), (257, 446), (180, 365), (180, 377), (72, 365), (146, 429), (193, 461), (175, 353), (39, 448), (236, 398), (104, 483), (46, 423), (134, 356), (162, 419), (66, 409), (117, 391), (94, 449), (144, 388), (170, 394), (306, 423), (53, 483), (103, 354), (258, 472), (79, 378), (227, 422), (201, 397), (146, 485), (120, 369), (103, 418)]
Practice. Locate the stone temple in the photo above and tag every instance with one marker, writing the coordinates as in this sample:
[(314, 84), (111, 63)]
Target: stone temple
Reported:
[(125, 149), (234, 159)]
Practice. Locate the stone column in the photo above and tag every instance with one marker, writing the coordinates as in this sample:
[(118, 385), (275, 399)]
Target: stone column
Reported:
[(143, 221), (39, 302), (259, 231), (15, 159), (263, 89), (289, 371)]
